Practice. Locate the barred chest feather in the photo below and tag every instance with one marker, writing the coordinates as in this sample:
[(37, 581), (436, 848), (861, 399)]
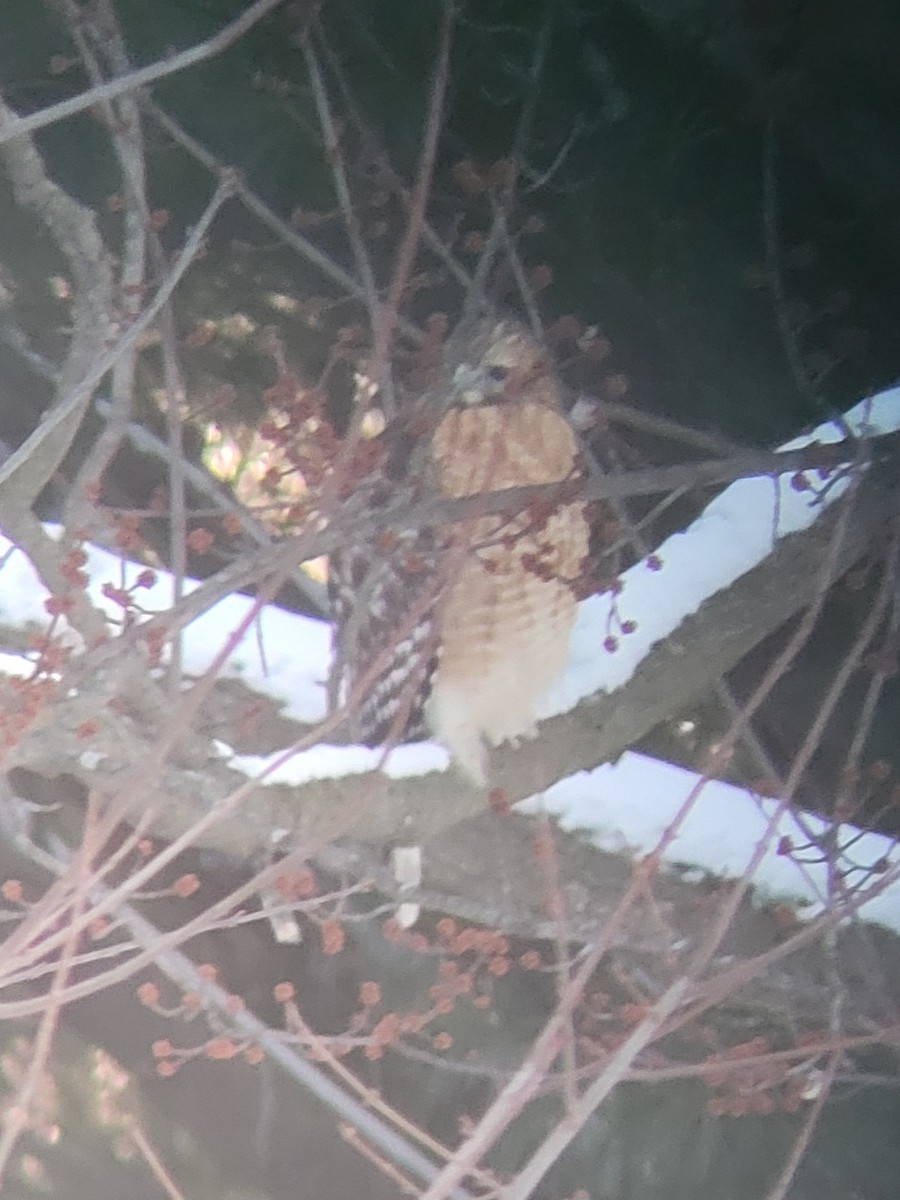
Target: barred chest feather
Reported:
[(458, 631)]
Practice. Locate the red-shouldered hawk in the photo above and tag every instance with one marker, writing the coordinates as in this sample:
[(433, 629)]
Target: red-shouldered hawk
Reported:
[(458, 631)]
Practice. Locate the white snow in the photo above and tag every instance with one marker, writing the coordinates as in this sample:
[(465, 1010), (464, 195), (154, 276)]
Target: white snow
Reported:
[(324, 761), (625, 806), (282, 654), (734, 533)]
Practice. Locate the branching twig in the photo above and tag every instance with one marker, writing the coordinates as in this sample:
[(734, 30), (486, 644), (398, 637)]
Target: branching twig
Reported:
[(295, 241), (387, 317), (140, 78), (30, 456)]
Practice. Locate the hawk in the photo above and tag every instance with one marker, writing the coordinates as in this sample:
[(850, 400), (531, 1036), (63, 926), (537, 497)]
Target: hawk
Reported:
[(457, 631)]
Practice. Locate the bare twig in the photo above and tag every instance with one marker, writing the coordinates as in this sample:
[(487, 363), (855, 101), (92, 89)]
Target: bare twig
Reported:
[(612, 1074), (252, 202), (781, 1187), (406, 255), (30, 456), (335, 158), (74, 229), (18, 126), (123, 122), (18, 1113)]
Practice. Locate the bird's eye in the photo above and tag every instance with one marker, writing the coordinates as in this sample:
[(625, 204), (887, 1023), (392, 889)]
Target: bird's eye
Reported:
[(497, 373)]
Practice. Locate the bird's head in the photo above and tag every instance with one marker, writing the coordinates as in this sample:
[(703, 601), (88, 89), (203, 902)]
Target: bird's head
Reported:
[(503, 363)]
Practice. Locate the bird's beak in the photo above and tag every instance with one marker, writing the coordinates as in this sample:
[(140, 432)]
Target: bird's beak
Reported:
[(468, 385)]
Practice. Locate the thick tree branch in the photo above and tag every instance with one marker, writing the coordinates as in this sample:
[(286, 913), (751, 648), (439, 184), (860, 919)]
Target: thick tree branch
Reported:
[(373, 807)]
